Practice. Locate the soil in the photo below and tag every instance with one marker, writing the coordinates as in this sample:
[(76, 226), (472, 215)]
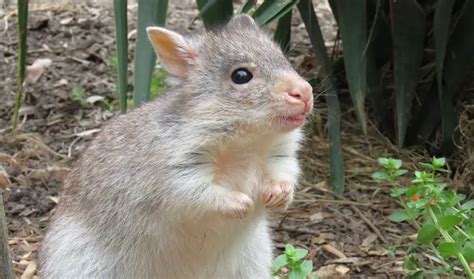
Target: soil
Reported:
[(60, 114)]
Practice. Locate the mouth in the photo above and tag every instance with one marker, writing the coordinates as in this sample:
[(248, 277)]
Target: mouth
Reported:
[(288, 123)]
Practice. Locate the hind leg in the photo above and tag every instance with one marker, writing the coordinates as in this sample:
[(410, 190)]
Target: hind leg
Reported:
[(255, 260)]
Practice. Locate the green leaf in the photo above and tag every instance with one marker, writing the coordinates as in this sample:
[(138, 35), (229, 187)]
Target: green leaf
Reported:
[(282, 33), (441, 22), (438, 162), (278, 263), (299, 254), (395, 163), (352, 20), (411, 262), (400, 172), (396, 192), (215, 12), (468, 205), (247, 7), (121, 31), (306, 268), (458, 63), (399, 216), (412, 190), (408, 33), (427, 233), (449, 221), (149, 13), (22, 9), (383, 162), (448, 249), (289, 248), (381, 175), (468, 252), (378, 51), (295, 274), (271, 10), (336, 161)]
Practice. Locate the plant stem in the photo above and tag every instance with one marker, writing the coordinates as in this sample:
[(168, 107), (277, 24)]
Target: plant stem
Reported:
[(22, 24), (448, 238)]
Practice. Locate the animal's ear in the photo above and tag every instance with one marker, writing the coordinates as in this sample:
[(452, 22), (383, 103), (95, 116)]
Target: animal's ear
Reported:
[(243, 20), (176, 54)]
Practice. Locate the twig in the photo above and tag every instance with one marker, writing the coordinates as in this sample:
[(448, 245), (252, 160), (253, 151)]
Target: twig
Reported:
[(5, 263), (362, 216), (370, 224), (297, 230)]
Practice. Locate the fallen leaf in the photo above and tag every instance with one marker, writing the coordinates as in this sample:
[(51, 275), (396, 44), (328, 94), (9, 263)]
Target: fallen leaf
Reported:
[(87, 133), (66, 21), (4, 181), (369, 240), (332, 250), (34, 72), (94, 99), (330, 271), (342, 269), (317, 217), (29, 271)]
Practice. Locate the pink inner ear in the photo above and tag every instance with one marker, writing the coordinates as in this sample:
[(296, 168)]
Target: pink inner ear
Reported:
[(174, 52)]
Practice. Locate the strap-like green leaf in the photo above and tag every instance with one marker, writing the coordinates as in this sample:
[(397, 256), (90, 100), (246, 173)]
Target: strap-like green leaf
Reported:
[(352, 19), (121, 30), (271, 10), (283, 31), (408, 34), (442, 18), (336, 161), (215, 12), (22, 29), (149, 13)]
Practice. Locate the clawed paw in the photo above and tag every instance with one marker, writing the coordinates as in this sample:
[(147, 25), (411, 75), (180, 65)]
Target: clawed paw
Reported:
[(237, 205), (278, 194)]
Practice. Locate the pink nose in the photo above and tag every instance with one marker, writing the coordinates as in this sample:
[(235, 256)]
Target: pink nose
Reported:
[(300, 94)]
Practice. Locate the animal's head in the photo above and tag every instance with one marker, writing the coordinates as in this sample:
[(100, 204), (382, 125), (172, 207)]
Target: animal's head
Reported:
[(237, 73)]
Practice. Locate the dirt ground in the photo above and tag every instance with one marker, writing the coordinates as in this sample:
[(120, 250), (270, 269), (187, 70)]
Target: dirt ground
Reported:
[(347, 236)]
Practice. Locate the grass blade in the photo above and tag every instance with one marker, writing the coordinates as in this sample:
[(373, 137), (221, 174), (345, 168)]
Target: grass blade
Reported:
[(5, 262), (271, 10), (282, 33), (378, 55), (22, 30), (352, 19), (215, 12), (247, 7), (456, 67), (408, 33), (336, 161), (442, 18), (121, 30), (149, 13)]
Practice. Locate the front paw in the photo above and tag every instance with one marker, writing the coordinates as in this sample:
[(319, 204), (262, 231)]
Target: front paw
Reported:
[(278, 194), (237, 205)]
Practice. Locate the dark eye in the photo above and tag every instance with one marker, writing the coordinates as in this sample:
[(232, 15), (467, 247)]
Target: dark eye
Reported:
[(241, 76)]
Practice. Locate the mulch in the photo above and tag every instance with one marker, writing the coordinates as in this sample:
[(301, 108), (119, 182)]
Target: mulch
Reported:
[(347, 235)]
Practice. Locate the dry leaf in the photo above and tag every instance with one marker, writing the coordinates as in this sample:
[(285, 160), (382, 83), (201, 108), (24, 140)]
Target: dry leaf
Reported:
[(330, 271), (330, 249), (317, 217), (66, 21), (34, 72), (369, 240), (87, 133), (4, 181), (29, 271), (94, 99), (54, 199)]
